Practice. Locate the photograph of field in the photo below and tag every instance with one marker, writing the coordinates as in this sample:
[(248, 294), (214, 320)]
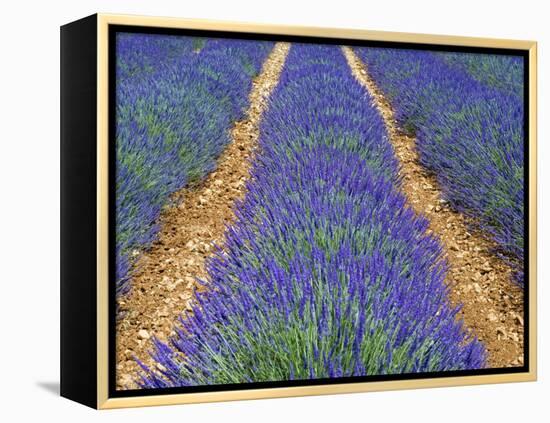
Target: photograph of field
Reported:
[(294, 211)]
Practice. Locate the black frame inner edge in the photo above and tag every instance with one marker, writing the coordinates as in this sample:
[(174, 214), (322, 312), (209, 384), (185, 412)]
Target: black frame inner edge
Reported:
[(113, 29)]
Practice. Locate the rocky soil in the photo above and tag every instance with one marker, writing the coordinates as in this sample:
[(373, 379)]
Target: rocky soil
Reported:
[(492, 305), (166, 275)]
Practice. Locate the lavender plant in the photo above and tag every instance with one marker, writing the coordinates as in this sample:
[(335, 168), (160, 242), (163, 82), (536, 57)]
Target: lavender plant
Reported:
[(141, 54), (174, 110), (468, 120), (326, 272), (494, 70)]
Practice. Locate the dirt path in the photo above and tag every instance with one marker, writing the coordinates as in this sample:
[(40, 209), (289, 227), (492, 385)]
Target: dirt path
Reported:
[(163, 286), (492, 303)]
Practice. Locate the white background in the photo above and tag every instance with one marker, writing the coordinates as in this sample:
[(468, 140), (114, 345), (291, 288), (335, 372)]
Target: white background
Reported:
[(29, 171)]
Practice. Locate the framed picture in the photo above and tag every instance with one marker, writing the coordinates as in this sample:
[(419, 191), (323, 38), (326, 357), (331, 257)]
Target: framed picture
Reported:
[(254, 211)]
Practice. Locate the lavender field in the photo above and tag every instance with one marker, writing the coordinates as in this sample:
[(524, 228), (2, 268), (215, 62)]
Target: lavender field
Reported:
[(270, 228)]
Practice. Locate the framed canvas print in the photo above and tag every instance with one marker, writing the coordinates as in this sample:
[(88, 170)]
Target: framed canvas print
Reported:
[(253, 211)]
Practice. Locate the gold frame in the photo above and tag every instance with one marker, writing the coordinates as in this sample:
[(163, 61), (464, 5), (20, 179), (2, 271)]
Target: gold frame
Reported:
[(103, 21)]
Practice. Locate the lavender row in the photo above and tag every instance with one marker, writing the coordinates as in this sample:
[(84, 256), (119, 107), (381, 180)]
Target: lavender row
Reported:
[(469, 129), (326, 272), (141, 54), (173, 117), (493, 70)]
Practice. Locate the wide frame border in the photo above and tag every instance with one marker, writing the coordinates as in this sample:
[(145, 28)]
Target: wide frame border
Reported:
[(102, 195)]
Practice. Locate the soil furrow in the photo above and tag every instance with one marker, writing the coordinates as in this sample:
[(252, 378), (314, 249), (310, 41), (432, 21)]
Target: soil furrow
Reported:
[(165, 275), (492, 305)]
